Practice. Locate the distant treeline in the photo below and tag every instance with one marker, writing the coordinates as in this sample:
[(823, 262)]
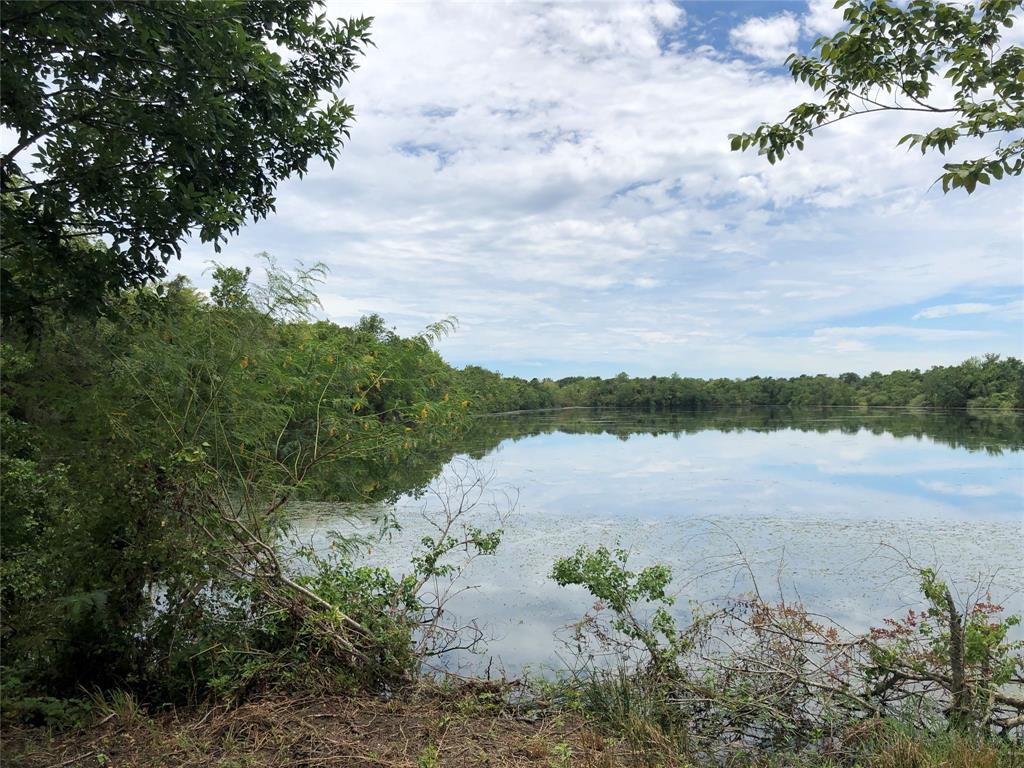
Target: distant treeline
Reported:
[(987, 382)]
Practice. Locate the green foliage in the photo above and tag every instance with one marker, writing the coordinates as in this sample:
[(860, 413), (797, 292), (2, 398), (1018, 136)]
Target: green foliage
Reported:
[(428, 757), (892, 57), (428, 562), (561, 756), (987, 382), (605, 576), (282, 649), (231, 287), (150, 121), (490, 392), (22, 701), (749, 677), (968, 652), (985, 644), (149, 456)]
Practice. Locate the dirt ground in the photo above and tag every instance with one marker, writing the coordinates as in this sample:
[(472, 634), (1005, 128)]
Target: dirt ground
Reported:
[(429, 729)]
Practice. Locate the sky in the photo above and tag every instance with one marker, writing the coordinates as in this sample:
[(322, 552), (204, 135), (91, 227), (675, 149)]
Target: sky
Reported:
[(558, 178)]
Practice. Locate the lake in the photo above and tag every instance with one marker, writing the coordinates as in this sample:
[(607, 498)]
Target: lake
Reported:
[(823, 507)]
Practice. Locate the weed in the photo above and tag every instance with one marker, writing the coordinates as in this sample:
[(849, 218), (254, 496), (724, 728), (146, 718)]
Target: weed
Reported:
[(428, 757), (561, 756)]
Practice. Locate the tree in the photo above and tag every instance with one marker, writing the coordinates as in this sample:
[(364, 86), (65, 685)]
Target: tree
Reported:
[(230, 287), (140, 123), (892, 59), (131, 442)]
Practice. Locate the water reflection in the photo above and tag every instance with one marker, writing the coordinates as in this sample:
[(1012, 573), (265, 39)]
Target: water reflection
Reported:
[(820, 505)]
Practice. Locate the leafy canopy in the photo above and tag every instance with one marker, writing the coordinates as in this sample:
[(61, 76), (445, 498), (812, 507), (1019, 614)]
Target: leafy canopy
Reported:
[(894, 59), (139, 123)]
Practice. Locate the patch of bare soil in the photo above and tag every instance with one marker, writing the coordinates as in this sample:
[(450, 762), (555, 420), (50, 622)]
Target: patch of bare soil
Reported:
[(425, 729)]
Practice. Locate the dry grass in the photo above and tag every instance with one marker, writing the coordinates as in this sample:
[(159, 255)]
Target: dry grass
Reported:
[(902, 751), (424, 729), (428, 727)]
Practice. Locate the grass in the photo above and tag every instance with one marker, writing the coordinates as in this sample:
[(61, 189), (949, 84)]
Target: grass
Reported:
[(634, 714), (450, 726), (423, 727), (901, 748)]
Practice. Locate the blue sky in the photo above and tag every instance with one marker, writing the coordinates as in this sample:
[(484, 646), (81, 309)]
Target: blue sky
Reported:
[(558, 177)]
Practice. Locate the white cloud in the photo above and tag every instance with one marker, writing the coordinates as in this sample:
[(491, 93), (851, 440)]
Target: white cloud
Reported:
[(556, 174), (954, 310), (769, 39), (857, 340), (827, 335), (645, 282), (822, 18)]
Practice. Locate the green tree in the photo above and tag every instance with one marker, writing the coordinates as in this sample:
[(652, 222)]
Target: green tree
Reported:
[(891, 59), (143, 447), (140, 123), (231, 287)]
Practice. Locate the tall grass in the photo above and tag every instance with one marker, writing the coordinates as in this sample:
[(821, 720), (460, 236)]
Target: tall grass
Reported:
[(636, 713)]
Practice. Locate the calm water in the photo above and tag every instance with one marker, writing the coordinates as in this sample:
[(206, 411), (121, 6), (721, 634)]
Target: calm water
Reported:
[(822, 506)]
